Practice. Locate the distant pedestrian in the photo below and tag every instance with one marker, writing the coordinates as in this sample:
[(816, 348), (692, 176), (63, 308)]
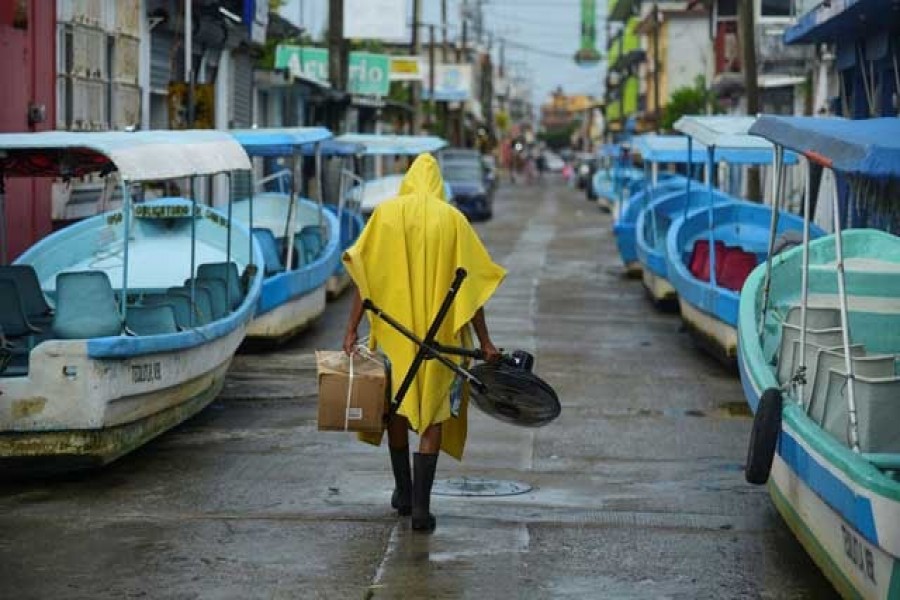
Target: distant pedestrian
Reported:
[(404, 261)]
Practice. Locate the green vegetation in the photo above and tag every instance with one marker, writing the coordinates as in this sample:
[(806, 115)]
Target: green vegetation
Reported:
[(690, 100)]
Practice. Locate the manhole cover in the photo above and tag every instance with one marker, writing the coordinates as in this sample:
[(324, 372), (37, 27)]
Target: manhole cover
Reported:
[(477, 486)]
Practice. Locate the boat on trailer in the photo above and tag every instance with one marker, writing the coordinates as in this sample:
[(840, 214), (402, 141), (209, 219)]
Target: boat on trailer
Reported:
[(637, 191), (299, 239), (381, 187), (710, 252), (818, 343), (120, 326)]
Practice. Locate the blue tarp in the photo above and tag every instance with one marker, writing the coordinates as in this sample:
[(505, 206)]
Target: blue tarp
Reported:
[(869, 147), (280, 141), (408, 145), (729, 135), (843, 20)]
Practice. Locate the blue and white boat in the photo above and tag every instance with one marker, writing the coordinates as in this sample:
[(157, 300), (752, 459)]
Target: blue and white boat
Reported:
[(123, 325), (658, 207), (638, 189), (710, 252), (383, 187), (818, 343), (299, 239), (615, 176)]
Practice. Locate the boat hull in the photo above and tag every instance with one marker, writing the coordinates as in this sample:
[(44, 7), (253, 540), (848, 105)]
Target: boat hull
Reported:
[(855, 566), (75, 411), (658, 287), (717, 336), (288, 318), (337, 285), (844, 509)]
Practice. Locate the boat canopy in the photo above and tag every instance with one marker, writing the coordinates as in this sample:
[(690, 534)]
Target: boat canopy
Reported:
[(730, 138), (335, 147), (668, 149), (279, 141), (837, 21), (869, 147), (408, 145), (137, 156)]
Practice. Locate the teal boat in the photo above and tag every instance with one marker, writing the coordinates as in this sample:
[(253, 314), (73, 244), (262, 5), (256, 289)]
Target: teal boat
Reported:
[(818, 342), (123, 325)]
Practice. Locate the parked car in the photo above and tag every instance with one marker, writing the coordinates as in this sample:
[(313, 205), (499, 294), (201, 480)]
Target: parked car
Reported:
[(471, 194)]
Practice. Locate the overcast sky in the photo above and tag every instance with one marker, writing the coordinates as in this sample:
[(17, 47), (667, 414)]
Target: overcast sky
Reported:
[(550, 29)]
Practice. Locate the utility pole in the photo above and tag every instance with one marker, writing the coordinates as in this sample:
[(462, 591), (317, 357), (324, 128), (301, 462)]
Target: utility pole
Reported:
[(444, 56), (189, 63), (748, 48), (337, 54), (415, 49), (657, 107), (431, 68)]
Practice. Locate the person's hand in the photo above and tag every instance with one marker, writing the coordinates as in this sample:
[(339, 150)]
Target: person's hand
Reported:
[(490, 352), (350, 342)]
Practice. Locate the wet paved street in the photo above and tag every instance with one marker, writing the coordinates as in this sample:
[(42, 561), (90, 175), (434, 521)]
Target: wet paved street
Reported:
[(638, 486)]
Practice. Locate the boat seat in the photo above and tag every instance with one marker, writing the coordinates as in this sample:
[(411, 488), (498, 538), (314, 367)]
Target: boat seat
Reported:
[(34, 303), (217, 294), (311, 236), (228, 273), (877, 409), (817, 317), (202, 302), (13, 322), (827, 359), (296, 257), (787, 361), (85, 306), (736, 265), (181, 307), (269, 246), (151, 320)]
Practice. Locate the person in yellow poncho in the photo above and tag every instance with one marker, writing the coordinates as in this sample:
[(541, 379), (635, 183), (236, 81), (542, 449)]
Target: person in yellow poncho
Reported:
[(404, 261)]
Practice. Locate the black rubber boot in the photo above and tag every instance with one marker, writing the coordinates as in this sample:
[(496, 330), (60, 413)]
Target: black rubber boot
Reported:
[(424, 466), (401, 499)]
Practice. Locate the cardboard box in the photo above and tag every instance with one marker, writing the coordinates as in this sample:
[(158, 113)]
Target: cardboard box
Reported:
[(364, 407)]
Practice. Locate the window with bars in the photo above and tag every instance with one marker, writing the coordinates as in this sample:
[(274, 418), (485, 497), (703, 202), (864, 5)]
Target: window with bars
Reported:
[(98, 58)]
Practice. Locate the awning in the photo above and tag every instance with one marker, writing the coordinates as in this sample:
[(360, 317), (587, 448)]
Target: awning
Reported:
[(279, 141), (137, 156), (844, 20), (408, 145), (869, 147), (729, 135)]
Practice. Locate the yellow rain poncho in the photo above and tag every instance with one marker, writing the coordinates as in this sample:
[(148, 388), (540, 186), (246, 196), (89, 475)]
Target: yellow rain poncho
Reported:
[(404, 261)]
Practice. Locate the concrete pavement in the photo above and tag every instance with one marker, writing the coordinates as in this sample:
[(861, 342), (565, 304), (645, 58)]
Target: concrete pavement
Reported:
[(638, 487)]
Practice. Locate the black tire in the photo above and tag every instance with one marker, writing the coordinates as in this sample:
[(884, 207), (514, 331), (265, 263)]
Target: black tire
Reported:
[(764, 437)]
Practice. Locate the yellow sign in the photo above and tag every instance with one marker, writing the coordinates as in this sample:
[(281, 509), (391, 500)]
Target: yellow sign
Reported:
[(204, 106), (406, 68)]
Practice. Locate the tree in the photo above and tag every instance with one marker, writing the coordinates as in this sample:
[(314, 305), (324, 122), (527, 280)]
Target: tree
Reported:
[(689, 100)]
